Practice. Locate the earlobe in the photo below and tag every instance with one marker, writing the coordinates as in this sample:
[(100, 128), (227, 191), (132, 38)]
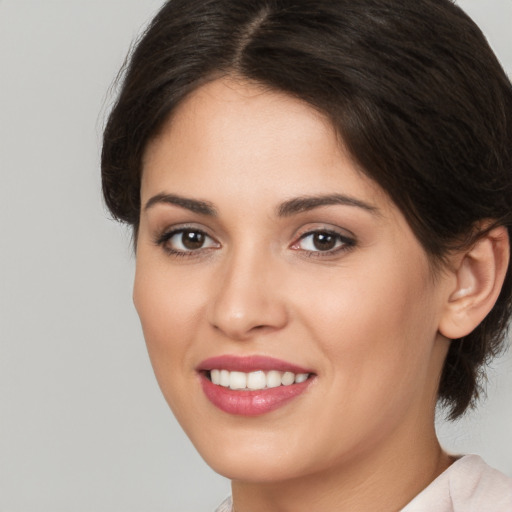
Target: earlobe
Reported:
[(479, 276)]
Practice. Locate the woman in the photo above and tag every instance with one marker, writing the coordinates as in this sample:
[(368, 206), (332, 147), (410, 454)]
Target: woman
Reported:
[(320, 193)]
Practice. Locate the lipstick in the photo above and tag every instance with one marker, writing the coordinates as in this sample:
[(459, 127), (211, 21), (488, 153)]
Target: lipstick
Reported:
[(233, 398)]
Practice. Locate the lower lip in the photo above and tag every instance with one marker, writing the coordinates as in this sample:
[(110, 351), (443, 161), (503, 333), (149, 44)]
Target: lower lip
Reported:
[(251, 403)]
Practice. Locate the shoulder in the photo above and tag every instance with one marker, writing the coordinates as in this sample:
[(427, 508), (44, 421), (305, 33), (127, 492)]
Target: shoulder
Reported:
[(479, 486), (225, 506), (468, 485)]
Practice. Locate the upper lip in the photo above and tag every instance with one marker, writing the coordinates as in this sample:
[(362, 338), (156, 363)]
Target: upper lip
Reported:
[(249, 364)]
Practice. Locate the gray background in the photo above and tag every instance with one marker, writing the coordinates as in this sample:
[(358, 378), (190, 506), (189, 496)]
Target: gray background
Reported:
[(82, 424)]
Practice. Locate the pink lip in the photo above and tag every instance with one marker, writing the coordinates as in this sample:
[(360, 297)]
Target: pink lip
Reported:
[(249, 364), (250, 403)]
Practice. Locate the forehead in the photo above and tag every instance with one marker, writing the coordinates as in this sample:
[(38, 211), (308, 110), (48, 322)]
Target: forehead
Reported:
[(243, 114), (231, 136)]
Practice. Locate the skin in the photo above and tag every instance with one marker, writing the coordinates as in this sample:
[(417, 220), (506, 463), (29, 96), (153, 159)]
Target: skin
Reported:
[(363, 316)]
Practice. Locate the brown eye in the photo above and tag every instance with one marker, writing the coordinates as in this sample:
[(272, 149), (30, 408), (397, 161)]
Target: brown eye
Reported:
[(324, 241), (192, 240), (186, 241), (320, 241)]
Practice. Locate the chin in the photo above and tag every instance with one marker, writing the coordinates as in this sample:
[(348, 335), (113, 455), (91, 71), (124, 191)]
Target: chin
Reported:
[(251, 456), (254, 469)]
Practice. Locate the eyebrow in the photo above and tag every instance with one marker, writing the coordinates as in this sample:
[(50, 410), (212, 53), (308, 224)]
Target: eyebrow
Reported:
[(286, 209), (306, 203), (194, 205)]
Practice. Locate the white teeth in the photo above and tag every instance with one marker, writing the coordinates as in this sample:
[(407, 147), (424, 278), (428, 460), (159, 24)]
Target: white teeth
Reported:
[(255, 380), (215, 376), (224, 378), (237, 380), (273, 379), (287, 378)]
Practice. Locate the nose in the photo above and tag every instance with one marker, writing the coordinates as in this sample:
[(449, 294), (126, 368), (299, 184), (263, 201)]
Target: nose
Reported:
[(249, 299)]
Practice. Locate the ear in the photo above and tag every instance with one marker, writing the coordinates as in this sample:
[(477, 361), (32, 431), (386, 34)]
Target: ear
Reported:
[(479, 274)]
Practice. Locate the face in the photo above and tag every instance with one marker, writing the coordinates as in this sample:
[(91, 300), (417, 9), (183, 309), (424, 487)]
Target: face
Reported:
[(290, 314)]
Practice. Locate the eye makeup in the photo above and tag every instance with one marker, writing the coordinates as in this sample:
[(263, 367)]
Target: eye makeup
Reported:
[(322, 242), (185, 241), (192, 241)]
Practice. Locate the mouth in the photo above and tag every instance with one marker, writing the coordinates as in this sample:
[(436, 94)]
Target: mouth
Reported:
[(256, 380), (251, 386)]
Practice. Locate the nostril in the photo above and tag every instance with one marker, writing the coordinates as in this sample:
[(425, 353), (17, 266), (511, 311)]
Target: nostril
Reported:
[(240, 313)]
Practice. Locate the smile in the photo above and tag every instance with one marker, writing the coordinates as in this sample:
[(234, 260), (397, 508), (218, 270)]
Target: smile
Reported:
[(251, 386), (255, 380)]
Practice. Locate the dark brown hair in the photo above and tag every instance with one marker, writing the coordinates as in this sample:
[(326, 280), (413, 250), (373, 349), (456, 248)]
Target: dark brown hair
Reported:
[(412, 87)]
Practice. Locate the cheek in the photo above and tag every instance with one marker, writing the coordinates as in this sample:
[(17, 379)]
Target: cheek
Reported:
[(168, 307), (376, 330), (377, 325), (167, 302)]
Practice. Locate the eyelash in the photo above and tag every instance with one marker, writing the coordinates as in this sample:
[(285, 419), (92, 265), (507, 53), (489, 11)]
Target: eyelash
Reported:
[(164, 239), (343, 243)]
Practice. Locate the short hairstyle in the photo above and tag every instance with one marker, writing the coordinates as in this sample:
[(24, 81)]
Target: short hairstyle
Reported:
[(412, 87)]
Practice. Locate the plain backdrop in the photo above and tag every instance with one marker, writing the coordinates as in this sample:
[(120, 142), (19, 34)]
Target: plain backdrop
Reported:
[(83, 426)]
